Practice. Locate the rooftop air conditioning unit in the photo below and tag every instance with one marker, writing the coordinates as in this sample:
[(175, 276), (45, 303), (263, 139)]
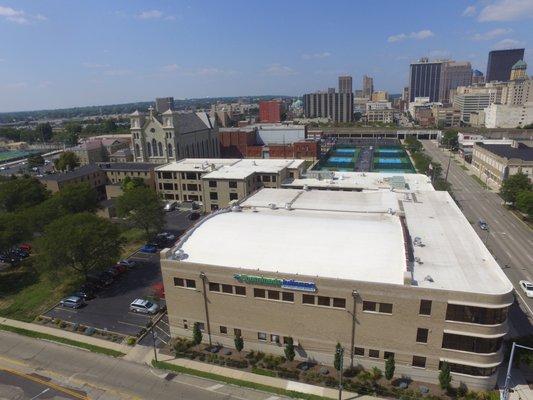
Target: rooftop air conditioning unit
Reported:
[(306, 188), (288, 206), (273, 206), (180, 254), (418, 260), (236, 208)]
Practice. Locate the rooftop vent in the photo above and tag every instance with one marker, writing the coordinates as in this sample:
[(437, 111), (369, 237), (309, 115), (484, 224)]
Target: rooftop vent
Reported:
[(418, 260), (418, 242), (272, 206), (428, 278), (306, 188), (390, 211), (180, 254), (236, 208), (288, 206)]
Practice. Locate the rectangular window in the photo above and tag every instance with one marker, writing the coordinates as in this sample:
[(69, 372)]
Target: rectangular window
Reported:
[(425, 307), (369, 305), (233, 184), (273, 178), (273, 295), (266, 178), (223, 330), (422, 335), (259, 293), (385, 308), (287, 296), (373, 353), (308, 299), (419, 362), (167, 175), (274, 338), (324, 301), (190, 283), (240, 290), (227, 288), (179, 282), (237, 332), (168, 186), (213, 195), (190, 175), (212, 184), (262, 336), (339, 303), (359, 351), (201, 326), (388, 354), (192, 187), (234, 196), (214, 287)]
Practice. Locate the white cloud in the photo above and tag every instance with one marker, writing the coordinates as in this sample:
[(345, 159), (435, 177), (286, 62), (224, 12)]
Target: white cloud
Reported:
[(420, 35), (324, 54), (469, 11), (19, 16), (92, 65), (170, 68), (278, 70), (44, 84), (118, 72), (507, 44), (507, 10), (492, 34), (155, 14)]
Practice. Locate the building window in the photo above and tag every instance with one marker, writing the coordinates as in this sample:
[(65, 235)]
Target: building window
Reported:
[(323, 301), (232, 184), (388, 354), (470, 370), (237, 332), (148, 149), (266, 178), (419, 362), (274, 338), (425, 307), (213, 195), (262, 336), (160, 147), (212, 184), (471, 344), (214, 207), (227, 288), (476, 315), (385, 308), (273, 294), (190, 176), (369, 306), (422, 335), (359, 351), (240, 290), (168, 186), (233, 196), (287, 296), (373, 353), (223, 330), (191, 187), (137, 150), (154, 147), (190, 283), (179, 282), (339, 303), (170, 150), (259, 293), (214, 287), (308, 299)]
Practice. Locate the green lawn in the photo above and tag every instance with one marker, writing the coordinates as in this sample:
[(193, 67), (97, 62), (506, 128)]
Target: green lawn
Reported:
[(70, 342), (134, 238)]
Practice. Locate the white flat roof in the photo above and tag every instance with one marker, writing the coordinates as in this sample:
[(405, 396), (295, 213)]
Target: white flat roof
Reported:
[(349, 235)]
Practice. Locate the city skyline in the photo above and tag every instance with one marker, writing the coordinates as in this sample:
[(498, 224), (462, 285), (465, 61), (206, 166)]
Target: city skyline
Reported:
[(60, 55)]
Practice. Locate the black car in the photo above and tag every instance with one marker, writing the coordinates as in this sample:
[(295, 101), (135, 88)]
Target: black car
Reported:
[(194, 216), (89, 288), (106, 278), (84, 294)]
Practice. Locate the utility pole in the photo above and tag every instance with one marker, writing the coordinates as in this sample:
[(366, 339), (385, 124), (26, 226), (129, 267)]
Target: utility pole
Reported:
[(505, 391), (448, 167), (354, 295), (154, 337), (203, 276), (340, 352)]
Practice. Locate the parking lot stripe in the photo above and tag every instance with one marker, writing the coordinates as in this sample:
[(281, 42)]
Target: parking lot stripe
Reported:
[(215, 387)]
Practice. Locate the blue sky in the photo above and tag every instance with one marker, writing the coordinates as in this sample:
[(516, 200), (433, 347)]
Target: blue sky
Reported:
[(63, 53)]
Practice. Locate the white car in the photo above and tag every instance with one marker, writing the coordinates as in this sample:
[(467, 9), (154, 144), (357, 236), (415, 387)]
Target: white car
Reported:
[(144, 307), (527, 287)]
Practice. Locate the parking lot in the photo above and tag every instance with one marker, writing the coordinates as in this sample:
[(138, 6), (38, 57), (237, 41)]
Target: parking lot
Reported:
[(110, 309)]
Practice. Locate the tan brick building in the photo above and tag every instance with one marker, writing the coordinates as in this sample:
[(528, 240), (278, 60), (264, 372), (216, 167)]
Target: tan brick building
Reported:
[(385, 274), (213, 183), (90, 173)]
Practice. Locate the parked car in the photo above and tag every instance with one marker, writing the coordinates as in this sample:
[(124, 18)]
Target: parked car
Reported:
[(527, 287), (113, 272), (106, 278), (119, 268), (483, 225), (149, 248), (72, 302), (85, 294), (143, 307), (164, 239), (89, 288), (170, 206), (194, 216), (25, 247), (127, 263)]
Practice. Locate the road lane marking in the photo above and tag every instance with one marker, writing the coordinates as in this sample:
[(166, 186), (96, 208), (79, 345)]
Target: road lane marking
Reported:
[(215, 387), (43, 392)]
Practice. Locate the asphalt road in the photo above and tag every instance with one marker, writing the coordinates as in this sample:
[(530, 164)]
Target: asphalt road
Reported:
[(509, 239), (107, 378)]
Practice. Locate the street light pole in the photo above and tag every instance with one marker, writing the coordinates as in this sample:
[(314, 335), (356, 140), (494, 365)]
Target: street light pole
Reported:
[(448, 167), (505, 391), (154, 337), (203, 276), (354, 295), (340, 352)]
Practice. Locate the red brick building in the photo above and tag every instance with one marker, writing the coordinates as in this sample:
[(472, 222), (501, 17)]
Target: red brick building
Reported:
[(270, 111)]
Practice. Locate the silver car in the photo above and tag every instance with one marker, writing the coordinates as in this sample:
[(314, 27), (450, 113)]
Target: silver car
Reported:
[(143, 307), (72, 302)]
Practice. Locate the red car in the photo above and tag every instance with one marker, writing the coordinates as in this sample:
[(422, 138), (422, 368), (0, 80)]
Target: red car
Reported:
[(25, 247)]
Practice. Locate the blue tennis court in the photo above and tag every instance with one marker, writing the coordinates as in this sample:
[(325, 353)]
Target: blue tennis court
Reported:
[(345, 151), (390, 151), (389, 160), (336, 159)]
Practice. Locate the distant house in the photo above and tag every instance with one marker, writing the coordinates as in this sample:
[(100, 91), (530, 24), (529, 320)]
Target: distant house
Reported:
[(90, 173), (99, 150)]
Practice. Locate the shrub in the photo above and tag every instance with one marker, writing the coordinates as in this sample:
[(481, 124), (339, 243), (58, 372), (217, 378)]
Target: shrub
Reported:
[(337, 361), (351, 372), (376, 374), (288, 374), (131, 341), (182, 345), (196, 334), (390, 366), (445, 377), (90, 331), (236, 363), (62, 324), (462, 390), (331, 382), (239, 343), (312, 377), (289, 349)]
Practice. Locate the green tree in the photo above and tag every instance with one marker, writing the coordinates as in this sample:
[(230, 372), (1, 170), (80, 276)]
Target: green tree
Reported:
[(42, 214), (524, 202), (132, 183), (337, 361), (83, 242), (13, 230), (196, 334), (376, 373), (67, 161), (289, 349), (239, 342), (78, 197), (109, 126), (44, 132), (450, 138), (390, 366), (143, 208), (513, 185), (35, 161), (445, 377), (21, 193)]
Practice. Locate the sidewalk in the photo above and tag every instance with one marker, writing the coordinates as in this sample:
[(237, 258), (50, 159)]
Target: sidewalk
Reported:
[(520, 388), (259, 379), (123, 348)]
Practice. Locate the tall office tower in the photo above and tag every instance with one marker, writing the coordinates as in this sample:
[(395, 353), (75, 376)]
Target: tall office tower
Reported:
[(500, 63), (358, 93), (331, 90), (368, 86), (345, 84), (456, 73), (477, 77), (405, 94), (519, 71), (336, 106), (163, 104), (426, 79)]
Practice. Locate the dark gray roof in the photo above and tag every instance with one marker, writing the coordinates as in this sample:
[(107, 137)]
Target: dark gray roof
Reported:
[(189, 123), (522, 152), (128, 166), (76, 173)]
